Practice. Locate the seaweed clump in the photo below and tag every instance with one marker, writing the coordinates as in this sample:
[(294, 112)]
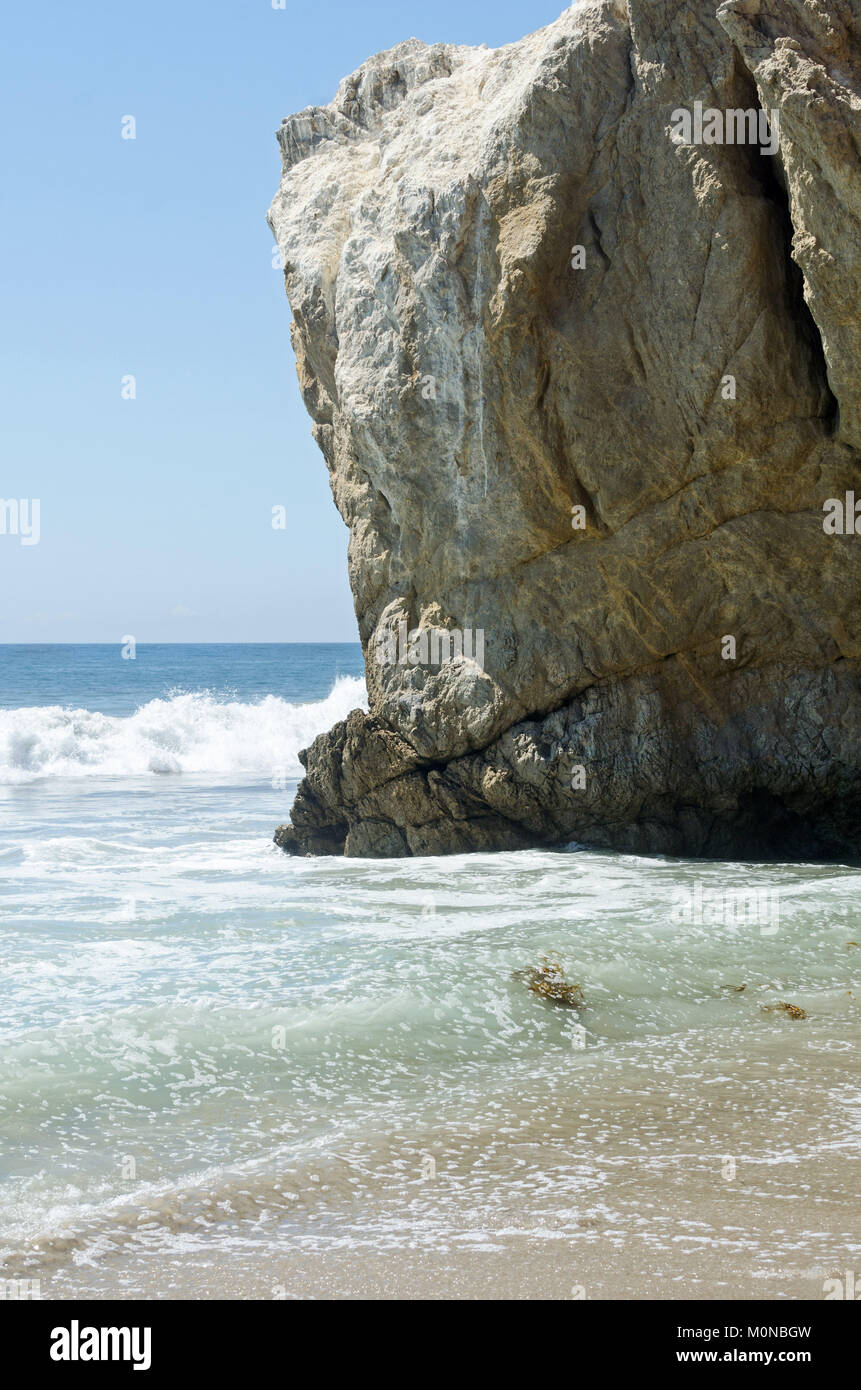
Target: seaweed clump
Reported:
[(791, 1009), (549, 981)]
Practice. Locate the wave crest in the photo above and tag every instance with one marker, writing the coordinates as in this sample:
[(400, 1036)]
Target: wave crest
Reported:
[(189, 732)]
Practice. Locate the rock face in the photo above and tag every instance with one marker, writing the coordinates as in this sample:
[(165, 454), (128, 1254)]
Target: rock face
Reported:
[(588, 390)]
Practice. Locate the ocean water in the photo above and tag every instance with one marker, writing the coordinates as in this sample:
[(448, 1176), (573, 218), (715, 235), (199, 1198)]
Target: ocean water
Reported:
[(235, 1073)]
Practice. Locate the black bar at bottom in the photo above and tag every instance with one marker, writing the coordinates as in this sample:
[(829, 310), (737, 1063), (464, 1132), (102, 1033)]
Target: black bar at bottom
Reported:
[(238, 1338)]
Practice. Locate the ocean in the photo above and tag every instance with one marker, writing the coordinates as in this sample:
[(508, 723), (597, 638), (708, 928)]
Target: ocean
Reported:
[(231, 1073)]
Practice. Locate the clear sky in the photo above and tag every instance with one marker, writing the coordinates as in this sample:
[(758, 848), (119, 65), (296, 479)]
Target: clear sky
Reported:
[(152, 257)]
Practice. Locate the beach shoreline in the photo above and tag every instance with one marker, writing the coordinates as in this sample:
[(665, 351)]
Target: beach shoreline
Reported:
[(621, 1186)]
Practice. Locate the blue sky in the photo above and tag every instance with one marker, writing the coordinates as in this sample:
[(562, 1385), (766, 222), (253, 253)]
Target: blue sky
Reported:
[(152, 257)]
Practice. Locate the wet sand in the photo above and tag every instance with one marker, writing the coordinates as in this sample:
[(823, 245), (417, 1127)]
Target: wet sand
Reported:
[(674, 1177)]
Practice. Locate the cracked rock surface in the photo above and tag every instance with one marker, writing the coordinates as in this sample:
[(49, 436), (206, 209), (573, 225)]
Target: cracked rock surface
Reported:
[(608, 459)]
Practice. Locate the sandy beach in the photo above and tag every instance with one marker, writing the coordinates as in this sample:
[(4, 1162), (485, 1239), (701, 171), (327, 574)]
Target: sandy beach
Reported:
[(613, 1185)]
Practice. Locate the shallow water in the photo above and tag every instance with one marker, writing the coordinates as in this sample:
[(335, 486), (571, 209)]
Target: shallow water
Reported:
[(234, 1072)]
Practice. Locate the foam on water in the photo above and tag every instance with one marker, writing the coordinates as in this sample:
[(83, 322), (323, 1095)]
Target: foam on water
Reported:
[(186, 732), (282, 1044)]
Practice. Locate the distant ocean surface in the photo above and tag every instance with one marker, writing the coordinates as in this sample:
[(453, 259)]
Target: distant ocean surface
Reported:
[(271, 1072)]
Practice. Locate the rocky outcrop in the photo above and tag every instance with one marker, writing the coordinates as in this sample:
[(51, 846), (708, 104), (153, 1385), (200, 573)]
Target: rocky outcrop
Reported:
[(584, 387)]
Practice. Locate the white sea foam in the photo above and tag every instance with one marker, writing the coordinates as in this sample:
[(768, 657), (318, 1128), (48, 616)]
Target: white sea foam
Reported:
[(198, 732), (211, 1046)]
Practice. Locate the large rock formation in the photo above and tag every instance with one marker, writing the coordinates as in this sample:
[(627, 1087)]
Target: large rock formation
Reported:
[(586, 388)]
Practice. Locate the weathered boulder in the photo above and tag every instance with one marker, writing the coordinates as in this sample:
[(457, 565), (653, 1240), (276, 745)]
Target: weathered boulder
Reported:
[(585, 390)]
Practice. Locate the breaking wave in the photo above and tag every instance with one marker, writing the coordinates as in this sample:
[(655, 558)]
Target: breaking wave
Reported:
[(196, 732)]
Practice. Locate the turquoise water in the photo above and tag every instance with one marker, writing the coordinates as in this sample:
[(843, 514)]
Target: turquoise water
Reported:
[(200, 1034)]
